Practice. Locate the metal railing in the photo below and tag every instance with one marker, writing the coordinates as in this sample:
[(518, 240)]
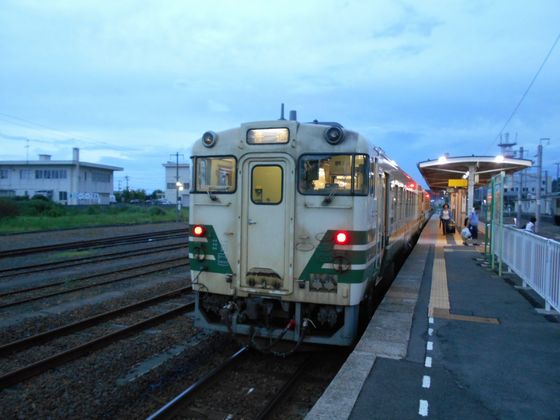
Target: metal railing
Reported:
[(535, 259)]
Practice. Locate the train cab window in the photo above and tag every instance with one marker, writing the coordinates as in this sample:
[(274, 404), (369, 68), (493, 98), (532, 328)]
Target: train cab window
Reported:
[(333, 174), (361, 171), (266, 184), (215, 174)]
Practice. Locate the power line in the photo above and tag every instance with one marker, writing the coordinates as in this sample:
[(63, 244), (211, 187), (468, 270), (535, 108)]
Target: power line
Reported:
[(528, 88), (29, 124)]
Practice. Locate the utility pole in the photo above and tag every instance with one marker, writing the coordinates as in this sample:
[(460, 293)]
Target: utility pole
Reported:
[(178, 186), (126, 178), (539, 183), (557, 176)]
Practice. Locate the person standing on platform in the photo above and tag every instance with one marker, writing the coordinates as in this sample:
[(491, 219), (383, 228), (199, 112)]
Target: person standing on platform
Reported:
[(531, 225), (473, 225), (444, 217)]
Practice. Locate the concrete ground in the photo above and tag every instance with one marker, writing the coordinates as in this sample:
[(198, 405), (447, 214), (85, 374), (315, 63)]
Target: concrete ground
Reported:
[(489, 354)]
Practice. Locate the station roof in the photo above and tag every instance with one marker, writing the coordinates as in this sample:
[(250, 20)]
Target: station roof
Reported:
[(438, 172)]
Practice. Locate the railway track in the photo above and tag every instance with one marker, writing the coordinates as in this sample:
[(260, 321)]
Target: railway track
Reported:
[(235, 376), (97, 243), (73, 262), (153, 267), (19, 375)]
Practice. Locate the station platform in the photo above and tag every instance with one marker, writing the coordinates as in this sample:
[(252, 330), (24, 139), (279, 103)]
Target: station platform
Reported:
[(450, 340)]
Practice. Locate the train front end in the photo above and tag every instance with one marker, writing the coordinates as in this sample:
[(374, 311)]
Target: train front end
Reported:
[(280, 232)]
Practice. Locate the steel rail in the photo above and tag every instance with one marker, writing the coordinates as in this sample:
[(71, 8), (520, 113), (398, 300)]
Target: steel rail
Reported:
[(20, 302), (19, 375), (281, 394), (169, 409), (91, 276), (89, 244), (36, 339), (54, 265)]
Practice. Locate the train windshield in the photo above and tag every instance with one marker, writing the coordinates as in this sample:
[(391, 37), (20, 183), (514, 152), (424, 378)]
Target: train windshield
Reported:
[(329, 174), (215, 174)]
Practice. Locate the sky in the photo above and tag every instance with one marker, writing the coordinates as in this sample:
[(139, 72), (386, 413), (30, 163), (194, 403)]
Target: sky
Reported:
[(133, 82)]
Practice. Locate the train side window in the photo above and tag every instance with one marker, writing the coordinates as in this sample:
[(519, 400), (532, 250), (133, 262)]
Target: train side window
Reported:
[(372, 169), (266, 184), (361, 169), (215, 174)]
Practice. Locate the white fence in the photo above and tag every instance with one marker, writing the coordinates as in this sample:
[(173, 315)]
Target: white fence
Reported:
[(535, 259)]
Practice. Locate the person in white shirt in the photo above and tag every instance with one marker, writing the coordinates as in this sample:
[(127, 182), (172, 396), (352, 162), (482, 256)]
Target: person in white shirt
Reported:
[(531, 225), (445, 216)]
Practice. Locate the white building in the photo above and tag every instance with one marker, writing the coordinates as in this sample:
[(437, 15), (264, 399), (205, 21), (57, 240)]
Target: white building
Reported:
[(177, 173), (528, 182), (63, 181)]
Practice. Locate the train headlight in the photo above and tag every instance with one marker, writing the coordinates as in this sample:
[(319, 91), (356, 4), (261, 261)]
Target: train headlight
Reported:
[(198, 231), (209, 138), (341, 237), (334, 135)]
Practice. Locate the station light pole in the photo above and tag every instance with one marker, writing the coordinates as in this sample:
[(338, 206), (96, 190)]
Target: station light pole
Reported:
[(519, 191)]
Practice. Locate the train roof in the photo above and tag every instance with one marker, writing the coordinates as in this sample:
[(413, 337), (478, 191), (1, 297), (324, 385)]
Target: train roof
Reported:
[(353, 142)]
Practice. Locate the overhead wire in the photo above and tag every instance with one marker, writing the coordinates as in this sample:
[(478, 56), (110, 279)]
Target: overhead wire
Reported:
[(528, 88), (66, 135)]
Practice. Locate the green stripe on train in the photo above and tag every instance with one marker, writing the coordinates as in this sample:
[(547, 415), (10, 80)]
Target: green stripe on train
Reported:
[(213, 247), (326, 254)]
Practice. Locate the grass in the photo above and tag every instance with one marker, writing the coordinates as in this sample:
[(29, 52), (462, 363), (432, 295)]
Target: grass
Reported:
[(70, 217)]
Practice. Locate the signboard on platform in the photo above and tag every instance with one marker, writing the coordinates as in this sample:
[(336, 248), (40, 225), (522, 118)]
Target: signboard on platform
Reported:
[(457, 183)]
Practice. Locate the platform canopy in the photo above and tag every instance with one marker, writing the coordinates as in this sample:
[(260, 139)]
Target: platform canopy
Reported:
[(447, 171)]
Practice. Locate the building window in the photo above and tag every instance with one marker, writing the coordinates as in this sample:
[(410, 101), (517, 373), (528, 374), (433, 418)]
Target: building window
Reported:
[(7, 193), (171, 186), (48, 174), (4, 174), (100, 177), (62, 196), (25, 174)]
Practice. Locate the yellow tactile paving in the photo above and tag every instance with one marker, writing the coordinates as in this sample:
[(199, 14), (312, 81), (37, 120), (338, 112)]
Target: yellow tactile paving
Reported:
[(439, 306), (439, 295)]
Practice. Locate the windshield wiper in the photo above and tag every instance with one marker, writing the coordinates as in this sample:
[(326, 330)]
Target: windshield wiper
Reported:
[(211, 196), (328, 200)]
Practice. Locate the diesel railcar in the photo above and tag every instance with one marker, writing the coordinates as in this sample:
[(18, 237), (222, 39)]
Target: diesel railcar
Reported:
[(292, 226)]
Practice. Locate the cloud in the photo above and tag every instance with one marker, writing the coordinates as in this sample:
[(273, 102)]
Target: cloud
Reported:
[(133, 83)]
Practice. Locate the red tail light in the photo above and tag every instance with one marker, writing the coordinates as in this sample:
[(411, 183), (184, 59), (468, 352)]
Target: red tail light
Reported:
[(198, 230), (341, 237)]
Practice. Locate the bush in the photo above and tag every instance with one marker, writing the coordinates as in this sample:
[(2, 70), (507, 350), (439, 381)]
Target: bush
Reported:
[(8, 209), (55, 211), (39, 206), (156, 211), (40, 197)]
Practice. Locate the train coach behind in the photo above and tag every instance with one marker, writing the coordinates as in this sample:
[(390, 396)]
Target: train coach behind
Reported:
[(292, 227)]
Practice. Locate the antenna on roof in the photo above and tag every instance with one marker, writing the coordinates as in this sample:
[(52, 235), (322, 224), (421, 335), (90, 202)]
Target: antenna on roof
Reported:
[(282, 112)]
